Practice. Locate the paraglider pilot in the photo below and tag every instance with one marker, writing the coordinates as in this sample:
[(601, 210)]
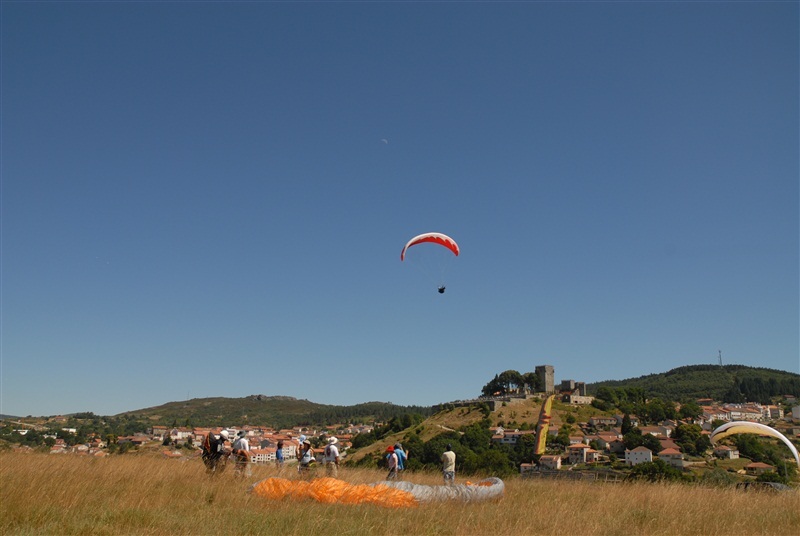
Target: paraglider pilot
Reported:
[(441, 289)]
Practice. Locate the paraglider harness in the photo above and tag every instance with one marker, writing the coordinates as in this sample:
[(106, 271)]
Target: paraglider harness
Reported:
[(214, 453)]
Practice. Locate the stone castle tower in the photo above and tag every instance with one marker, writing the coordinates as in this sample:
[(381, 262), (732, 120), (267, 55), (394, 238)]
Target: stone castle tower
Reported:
[(546, 374)]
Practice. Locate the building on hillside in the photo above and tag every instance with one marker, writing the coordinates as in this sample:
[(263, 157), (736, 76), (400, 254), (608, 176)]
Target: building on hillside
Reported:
[(657, 431), (672, 457), (771, 413), (180, 433), (578, 440), (726, 453), (598, 422), (604, 440), (550, 463), (546, 374), (667, 443), (578, 400), (510, 438), (741, 412), (638, 455), (577, 453), (758, 468), (135, 439), (262, 455), (546, 463), (525, 468)]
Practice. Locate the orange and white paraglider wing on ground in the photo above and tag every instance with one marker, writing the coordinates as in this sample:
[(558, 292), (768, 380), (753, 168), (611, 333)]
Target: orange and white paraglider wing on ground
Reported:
[(746, 427), (436, 238), (387, 494)]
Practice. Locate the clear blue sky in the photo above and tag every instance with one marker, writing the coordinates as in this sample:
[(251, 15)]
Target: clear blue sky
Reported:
[(210, 199)]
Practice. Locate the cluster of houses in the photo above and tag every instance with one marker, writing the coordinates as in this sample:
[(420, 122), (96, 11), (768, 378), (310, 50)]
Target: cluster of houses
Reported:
[(602, 436), (263, 441)]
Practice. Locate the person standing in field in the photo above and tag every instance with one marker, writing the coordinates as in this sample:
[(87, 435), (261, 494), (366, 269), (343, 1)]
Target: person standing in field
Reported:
[(279, 455), (449, 465), (332, 458), (391, 463), (402, 456), (306, 457), (213, 451), (241, 452)]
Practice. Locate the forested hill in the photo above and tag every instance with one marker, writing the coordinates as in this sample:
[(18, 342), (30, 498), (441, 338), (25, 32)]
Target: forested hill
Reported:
[(272, 411), (726, 383)]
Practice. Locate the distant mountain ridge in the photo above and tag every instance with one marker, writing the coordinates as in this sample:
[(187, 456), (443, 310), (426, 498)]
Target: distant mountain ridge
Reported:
[(726, 383), (264, 410)]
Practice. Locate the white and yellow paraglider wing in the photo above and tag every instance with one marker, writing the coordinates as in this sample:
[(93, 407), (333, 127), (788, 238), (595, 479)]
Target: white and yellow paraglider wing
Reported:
[(746, 427)]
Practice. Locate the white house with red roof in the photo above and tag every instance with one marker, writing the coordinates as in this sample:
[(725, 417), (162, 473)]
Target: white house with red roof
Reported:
[(638, 455), (673, 457), (726, 453)]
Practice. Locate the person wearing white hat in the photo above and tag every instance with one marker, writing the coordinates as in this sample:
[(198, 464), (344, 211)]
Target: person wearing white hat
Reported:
[(241, 451), (332, 458), (306, 457)]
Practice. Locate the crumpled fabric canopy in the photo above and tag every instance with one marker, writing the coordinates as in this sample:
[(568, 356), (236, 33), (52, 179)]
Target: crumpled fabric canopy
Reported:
[(489, 488), (386, 494)]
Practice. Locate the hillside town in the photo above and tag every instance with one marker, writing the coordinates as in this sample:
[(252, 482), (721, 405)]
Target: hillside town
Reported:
[(599, 440)]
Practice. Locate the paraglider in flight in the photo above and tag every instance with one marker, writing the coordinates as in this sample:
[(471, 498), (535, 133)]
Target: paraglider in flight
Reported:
[(433, 238), (436, 238), (746, 427)]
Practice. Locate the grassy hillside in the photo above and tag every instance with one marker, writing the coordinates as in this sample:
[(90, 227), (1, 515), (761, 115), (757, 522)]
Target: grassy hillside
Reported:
[(261, 410), (523, 415), (728, 383)]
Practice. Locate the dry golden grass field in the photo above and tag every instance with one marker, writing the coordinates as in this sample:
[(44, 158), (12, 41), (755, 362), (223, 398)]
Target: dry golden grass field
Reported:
[(146, 494)]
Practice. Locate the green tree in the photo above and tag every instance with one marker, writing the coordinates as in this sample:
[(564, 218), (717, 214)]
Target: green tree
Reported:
[(626, 424), (651, 442), (532, 379), (495, 386), (690, 411), (494, 462), (691, 439), (655, 471), (477, 438), (633, 438), (718, 478)]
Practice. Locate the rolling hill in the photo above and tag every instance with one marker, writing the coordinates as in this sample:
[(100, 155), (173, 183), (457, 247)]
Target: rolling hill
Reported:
[(726, 383), (272, 411), (729, 383)]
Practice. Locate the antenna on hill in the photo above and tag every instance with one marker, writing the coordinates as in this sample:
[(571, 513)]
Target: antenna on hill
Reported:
[(720, 357)]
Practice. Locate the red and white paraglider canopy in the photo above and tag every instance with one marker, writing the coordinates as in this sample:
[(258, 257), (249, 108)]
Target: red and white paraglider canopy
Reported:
[(436, 238)]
